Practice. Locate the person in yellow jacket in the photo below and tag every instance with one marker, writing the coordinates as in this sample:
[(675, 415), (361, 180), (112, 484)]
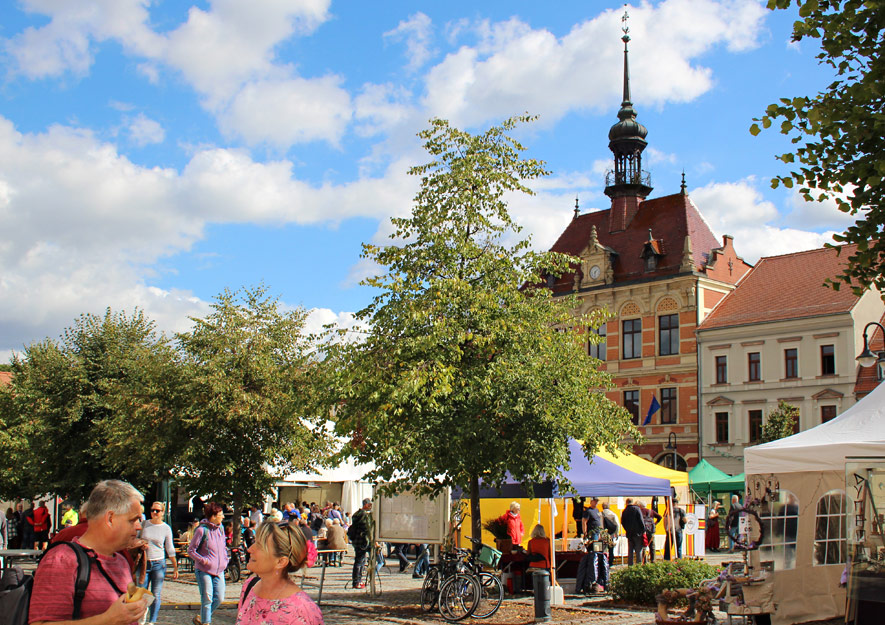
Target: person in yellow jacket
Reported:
[(70, 518)]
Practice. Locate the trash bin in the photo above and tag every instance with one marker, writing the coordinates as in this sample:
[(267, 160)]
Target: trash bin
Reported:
[(541, 583)]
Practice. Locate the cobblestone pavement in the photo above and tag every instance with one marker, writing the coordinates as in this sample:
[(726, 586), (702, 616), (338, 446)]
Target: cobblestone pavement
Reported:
[(343, 605)]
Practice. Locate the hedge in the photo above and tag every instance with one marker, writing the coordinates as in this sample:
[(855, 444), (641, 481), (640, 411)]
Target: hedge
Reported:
[(641, 583)]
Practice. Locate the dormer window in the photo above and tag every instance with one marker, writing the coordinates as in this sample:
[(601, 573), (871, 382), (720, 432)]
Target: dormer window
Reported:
[(652, 252)]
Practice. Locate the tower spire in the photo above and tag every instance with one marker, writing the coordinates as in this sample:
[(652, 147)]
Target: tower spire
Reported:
[(627, 184), (626, 38)]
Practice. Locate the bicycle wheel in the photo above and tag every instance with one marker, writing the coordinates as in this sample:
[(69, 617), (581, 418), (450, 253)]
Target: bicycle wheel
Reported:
[(491, 595), (459, 597), (430, 590)]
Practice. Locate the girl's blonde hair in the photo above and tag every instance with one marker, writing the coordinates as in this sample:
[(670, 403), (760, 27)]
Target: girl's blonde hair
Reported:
[(284, 541)]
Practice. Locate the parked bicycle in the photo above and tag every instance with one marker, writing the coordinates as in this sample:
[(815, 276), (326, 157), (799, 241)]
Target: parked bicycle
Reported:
[(461, 586)]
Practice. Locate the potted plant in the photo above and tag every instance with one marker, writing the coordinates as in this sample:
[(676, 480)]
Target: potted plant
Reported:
[(498, 528)]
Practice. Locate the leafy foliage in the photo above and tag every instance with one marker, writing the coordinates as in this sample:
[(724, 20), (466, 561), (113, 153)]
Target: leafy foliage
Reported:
[(780, 422), (497, 528), (91, 406), (465, 370), (640, 584), (840, 132), (245, 366)]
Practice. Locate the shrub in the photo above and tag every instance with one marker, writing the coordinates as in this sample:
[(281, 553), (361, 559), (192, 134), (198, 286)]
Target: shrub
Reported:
[(642, 582)]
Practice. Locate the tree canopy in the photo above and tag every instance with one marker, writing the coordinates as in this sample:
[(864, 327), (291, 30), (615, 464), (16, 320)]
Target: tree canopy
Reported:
[(246, 366), (465, 369), (840, 132), (780, 422), (68, 414)]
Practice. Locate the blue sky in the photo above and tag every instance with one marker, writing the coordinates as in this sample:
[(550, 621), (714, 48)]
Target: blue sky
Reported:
[(154, 153)]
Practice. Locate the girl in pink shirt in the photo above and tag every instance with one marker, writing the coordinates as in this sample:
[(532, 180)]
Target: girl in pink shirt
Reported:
[(271, 597)]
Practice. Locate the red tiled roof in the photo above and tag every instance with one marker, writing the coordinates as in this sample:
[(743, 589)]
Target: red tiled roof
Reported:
[(670, 219), (5, 378), (785, 287), (867, 378)]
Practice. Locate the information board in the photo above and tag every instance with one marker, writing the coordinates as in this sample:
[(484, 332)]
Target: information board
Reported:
[(408, 518)]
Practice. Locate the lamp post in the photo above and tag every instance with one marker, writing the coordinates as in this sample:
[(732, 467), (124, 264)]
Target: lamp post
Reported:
[(868, 358), (671, 444)]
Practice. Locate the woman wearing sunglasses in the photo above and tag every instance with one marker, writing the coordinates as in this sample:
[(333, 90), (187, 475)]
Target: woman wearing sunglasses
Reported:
[(270, 597), (159, 546)]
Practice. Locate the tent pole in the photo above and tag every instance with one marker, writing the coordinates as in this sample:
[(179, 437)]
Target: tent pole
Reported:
[(672, 531), (552, 545)]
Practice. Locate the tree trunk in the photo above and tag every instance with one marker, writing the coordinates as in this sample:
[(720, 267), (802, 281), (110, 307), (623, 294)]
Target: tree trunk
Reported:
[(475, 518), (238, 505)]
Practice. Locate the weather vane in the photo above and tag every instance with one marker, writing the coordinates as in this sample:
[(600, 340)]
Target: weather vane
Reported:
[(624, 19)]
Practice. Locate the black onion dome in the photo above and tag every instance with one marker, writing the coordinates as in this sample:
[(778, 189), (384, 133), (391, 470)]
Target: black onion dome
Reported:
[(628, 127)]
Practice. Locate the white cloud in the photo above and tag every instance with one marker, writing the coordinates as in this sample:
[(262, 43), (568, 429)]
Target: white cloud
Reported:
[(824, 214), (83, 225), (282, 113), (145, 131), (514, 68), (380, 108), (737, 208), (417, 33)]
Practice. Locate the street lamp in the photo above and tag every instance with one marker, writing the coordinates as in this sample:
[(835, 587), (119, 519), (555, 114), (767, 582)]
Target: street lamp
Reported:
[(671, 444), (868, 358)]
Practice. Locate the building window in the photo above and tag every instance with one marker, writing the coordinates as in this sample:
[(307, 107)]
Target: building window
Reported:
[(829, 529), (754, 367), (631, 403), (721, 370), (668, 334), (827, 413), (598, 350), (827, 360), (791, 363), (755, 425), (668, 405), (632, 337), (781, 521), (721, 427)]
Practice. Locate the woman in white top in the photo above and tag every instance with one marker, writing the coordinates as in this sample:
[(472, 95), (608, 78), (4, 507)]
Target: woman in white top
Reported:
[(159, 546)]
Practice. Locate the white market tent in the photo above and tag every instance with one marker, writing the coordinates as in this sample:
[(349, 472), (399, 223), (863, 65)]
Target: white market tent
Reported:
[(859, 431), (809, 465), (354, 488)]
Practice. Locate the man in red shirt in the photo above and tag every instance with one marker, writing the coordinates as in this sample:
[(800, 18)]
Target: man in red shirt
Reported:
[(114, 521)]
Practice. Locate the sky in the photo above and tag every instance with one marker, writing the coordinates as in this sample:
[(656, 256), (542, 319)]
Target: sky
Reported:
[(154, 153)]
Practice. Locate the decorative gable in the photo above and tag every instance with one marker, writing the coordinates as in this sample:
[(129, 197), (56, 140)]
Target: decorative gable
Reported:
[(828, 393), (597, 263), (721, 400)]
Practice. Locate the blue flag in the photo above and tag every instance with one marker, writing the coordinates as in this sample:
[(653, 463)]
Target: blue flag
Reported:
[(653, 408)]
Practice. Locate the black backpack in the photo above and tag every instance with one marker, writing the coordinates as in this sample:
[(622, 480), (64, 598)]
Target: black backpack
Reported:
[(16, 586), (610, 525)]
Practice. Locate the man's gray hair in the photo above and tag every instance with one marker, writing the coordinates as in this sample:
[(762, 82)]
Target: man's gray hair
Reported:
[(112, 496)]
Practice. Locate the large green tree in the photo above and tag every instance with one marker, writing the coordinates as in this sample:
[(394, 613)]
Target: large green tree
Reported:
[(840, 132), (246, 366), (98, 403), (464, 369)]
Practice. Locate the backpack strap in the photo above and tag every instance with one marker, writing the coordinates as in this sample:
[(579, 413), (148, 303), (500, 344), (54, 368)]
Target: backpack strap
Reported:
[(81, 580), (203, 538)]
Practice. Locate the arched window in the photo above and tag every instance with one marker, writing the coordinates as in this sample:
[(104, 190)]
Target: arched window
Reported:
[(829, 529), (666, 460), (781, 521)]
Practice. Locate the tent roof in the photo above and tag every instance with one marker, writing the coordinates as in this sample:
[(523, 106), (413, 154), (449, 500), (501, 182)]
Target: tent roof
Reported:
[(599, 478), (703, 475), (634, 463), (728, 484), (859, 431), (347, 472)]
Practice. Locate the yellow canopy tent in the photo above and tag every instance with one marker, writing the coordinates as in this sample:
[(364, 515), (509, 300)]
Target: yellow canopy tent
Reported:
[(632, 462)]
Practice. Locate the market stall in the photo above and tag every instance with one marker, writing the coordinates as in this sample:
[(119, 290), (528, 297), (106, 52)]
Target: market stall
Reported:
[(803, 477)]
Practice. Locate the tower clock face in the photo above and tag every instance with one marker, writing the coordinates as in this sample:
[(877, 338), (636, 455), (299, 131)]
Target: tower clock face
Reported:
[(595, 271)]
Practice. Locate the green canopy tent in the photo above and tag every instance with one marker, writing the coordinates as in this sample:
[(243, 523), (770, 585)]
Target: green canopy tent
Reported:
[(704, 474), (735, 483)]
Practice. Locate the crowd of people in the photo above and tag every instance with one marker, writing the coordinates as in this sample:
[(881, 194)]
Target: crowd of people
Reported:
[(114, 537)]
